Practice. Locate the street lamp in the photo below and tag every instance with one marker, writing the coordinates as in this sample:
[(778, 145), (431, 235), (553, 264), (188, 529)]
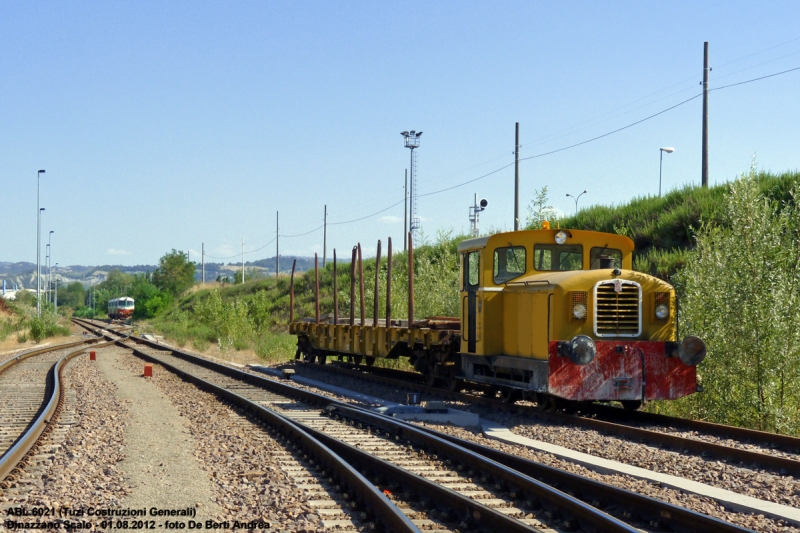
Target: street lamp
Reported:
[(576, 198), (38, 245), (49, 262), (411, 142), (55, 297), (47, 271), (669, 150)]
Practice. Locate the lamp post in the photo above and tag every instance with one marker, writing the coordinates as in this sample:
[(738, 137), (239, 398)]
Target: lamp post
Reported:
[(411, 142), (669, 150), (55, 297), (48, 294), (38, 246), (46, 272), (576, 198)]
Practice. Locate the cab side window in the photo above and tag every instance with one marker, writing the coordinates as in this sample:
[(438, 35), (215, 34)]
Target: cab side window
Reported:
[(472, 270), (509, 263)]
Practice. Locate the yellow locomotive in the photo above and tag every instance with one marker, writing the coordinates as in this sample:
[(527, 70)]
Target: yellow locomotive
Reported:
[(549, 313)]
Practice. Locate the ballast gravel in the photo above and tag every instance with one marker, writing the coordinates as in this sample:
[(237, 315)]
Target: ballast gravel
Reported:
[(784, 490), (78, 468), (237, 455)]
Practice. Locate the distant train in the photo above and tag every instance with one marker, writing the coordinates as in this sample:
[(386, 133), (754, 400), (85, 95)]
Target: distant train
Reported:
[(120, 308)]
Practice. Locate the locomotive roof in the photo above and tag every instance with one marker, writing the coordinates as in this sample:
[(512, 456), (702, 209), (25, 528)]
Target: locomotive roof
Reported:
[(547, 236)]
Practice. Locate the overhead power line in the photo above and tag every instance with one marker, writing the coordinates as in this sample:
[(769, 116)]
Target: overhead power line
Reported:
[(575, 145)]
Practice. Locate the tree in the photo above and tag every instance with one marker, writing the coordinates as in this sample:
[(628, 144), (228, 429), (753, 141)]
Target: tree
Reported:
[(175, 273), (741, 292), (539, 211)]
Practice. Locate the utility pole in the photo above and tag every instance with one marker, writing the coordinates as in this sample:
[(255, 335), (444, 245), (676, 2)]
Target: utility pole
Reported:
[(405, 212), (516, 180), (277, 250), (203, 260), (242, 260), (706, 70), (325, 236)]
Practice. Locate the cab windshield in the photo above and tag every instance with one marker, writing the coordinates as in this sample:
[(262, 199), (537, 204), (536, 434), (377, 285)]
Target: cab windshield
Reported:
[(558, 257)]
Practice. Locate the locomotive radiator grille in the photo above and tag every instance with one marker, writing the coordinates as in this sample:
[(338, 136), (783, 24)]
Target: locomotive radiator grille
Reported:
[(618, 309)]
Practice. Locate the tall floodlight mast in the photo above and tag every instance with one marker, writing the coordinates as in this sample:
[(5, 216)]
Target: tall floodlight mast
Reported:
[(411, 142)]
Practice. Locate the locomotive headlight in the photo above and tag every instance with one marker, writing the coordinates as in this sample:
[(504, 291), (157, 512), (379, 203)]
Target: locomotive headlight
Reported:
[(579, 311), (662, 311), (561, 237), (581, 350), (692, 351)]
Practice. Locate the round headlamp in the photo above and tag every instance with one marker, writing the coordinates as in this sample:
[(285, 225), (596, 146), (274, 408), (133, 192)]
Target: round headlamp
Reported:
[(662, 311), (692, 351), (561, 237), (579, 311), (581, 350)]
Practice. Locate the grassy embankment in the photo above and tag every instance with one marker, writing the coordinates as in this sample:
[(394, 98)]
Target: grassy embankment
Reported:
[(19, 325)]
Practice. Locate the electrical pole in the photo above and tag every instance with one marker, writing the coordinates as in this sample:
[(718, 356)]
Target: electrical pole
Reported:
[(242, 260), (277, 250), (325, 236), (516, 181), (706, 69), (203, 259), (405, 212)]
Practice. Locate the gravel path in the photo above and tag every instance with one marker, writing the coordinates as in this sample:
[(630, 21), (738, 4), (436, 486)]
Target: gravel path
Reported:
[(784, 490), (237, 455), (159, 463)]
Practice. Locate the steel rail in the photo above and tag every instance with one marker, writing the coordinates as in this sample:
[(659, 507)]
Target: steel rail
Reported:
[(480, 514), (373, 500), (14, 455), (657, 513), (782, 465)]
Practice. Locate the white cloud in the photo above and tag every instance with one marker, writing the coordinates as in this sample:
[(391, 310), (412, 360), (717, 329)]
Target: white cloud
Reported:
[(114, 251), (391, 219)]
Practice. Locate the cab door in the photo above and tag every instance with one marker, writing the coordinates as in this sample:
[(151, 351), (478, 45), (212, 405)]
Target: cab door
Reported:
[(469, 300)]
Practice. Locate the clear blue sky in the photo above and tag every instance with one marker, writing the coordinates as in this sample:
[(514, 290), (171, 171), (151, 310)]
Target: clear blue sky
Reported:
[(169, 124)]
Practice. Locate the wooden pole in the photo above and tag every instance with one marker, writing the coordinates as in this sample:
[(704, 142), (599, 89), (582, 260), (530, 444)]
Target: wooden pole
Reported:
[(361, 287), (316, 288), (335, 291), (291, 293), (353, 289), (375, 311), (389, 284), (410, 281)]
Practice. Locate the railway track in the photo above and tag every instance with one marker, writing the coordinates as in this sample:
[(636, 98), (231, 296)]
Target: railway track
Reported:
[(740, 446), (435, 481), (31, 397)]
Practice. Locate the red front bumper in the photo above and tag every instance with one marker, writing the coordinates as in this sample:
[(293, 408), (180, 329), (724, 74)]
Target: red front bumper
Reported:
[(616, 373)]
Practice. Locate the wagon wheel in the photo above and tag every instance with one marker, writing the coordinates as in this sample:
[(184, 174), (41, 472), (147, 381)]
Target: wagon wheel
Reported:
[(322, 358), (310, 356), (509, 395), (357, 359), (491, 391), (370, 361)]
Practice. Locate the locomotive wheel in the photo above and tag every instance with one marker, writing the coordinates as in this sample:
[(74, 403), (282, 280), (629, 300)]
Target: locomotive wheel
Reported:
[(491, 391), (545, 402), (455, 384), (370, 361), (632, 405), (509, 395), (430, 379)]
